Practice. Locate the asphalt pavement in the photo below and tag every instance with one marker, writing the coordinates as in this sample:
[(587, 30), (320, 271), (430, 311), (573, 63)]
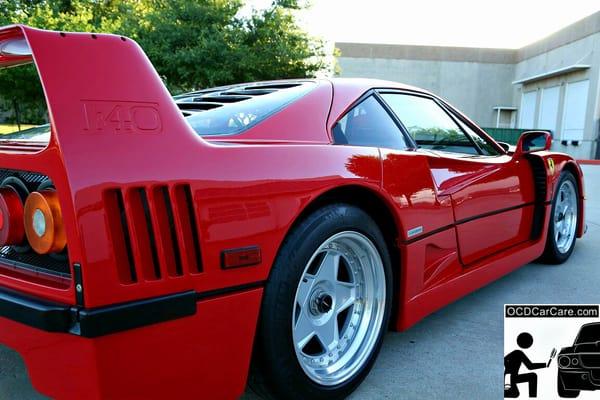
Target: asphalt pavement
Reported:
[(456, 352)]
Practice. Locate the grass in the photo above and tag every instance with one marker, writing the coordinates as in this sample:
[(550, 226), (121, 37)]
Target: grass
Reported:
[(10, 128)]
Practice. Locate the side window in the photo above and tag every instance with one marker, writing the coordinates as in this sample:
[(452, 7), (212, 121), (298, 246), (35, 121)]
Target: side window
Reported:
[(429, 124), (485, 146), (368, 124)]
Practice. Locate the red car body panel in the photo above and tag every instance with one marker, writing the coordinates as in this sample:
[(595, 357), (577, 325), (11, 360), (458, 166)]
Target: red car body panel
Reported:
[(116, 129), (191, 357)]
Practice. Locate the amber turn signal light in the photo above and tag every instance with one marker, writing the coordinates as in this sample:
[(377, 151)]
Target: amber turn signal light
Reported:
[(43, 222), (11, 217)]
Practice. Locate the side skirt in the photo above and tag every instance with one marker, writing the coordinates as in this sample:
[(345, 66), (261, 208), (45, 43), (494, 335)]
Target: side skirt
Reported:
[(414, 308)]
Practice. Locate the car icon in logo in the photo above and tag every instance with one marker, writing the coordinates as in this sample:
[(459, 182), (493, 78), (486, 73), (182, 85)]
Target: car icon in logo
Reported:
[(579, 364)]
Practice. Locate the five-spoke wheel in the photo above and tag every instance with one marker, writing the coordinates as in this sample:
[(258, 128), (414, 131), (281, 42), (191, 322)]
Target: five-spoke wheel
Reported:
[(325, 308), (339, 307), (564, 216)]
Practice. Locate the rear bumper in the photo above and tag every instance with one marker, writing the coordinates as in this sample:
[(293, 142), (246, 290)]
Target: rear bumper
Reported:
[(47, 316), (75, 353), (54, 317)]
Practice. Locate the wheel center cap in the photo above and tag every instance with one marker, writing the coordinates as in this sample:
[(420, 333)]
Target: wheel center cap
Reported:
[(324, 303), (321, 303)]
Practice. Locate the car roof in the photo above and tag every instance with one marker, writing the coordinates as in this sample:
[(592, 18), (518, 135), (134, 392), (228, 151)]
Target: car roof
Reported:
[(330, 99), (368, 83)]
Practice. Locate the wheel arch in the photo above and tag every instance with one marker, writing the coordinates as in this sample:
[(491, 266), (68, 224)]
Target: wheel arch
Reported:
[(379, 208), (573, 168)]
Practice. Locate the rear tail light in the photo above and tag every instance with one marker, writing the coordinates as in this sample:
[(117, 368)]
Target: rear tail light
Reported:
[(12, 231), (43, 222)]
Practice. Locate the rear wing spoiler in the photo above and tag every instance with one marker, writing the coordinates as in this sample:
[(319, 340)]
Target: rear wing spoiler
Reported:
[(96, 85), (113, 125)]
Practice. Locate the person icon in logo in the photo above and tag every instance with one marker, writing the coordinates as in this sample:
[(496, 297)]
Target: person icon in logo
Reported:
[(512, 363)]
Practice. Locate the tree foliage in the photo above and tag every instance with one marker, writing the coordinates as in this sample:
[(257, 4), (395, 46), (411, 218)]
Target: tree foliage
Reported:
[(192, 43)]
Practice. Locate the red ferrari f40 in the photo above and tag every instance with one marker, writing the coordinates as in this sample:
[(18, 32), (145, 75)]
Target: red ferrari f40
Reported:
[(158, 247)]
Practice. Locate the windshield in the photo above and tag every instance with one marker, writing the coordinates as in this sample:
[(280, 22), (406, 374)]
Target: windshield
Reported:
[(221, 111), (588, 334)]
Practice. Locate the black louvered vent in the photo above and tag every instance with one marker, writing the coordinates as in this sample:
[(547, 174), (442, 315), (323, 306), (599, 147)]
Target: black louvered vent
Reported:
[(209, 99), (541, 190), (154, 232)]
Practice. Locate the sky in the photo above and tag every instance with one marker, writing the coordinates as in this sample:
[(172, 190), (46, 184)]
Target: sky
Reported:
[(496, 24)]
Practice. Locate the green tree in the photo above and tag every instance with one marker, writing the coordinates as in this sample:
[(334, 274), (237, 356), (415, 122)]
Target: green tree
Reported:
[(20, 90), (192, 43)]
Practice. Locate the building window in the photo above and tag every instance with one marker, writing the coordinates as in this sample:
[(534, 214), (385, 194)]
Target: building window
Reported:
[(505, 116), (549, 108), (527, 112), (575, 110)]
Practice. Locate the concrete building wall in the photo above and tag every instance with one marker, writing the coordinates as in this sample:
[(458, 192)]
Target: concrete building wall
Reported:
[(578, 44), (474, 88), (477, 80)]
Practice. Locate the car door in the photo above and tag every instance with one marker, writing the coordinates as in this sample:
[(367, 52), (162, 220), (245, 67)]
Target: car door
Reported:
[(492, 194)]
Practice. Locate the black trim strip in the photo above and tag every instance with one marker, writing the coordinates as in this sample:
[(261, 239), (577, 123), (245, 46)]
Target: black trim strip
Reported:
[(105, 320), (78, 281), (45, 315), (495, 212), (469, 219), (228, 290), (95, 322)]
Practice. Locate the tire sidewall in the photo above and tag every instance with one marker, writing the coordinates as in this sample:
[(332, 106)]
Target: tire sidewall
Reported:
[(552, 248), (287, 378)]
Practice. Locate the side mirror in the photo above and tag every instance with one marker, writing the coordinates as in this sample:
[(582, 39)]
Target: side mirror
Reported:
[(531, 141)]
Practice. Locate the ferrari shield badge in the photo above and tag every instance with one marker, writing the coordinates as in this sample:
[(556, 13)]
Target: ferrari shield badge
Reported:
[(551, 165)]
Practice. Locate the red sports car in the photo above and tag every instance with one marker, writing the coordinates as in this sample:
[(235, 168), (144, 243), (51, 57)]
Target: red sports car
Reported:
[(155, 247)]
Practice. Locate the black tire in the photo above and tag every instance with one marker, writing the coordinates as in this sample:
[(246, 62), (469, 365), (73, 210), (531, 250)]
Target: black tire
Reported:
[(552, 255), (565, 393), (276, 372)]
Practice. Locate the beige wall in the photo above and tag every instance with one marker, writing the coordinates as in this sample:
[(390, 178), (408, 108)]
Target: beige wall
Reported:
[(582, 51), (475, 80), (474, 88)]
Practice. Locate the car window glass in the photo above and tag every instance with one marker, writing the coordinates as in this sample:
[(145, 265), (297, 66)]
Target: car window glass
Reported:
[(234, 109), (484, 145), (368, 124), (430, 126)]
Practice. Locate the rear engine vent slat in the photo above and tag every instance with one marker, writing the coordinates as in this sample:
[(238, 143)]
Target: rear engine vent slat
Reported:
[(163, 217), (188, 227), (154, 232), (119, 235), (143, 252), (198, 106), (150, 229)]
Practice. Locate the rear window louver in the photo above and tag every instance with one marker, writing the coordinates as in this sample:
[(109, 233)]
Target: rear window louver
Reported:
[(209, 99), (154, 232)]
